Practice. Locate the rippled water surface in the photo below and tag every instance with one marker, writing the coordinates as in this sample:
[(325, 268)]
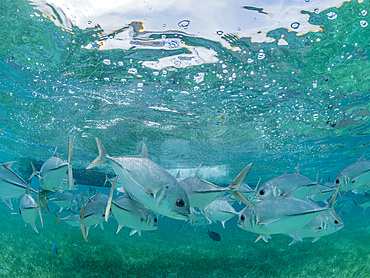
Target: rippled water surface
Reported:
[(218, 83)]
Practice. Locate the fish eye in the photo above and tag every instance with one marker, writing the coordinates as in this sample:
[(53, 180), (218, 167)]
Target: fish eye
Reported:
[(180, 203), (337, 181), (242, 217), (262, 192), (336, 221), (155, 220), (320, 228)]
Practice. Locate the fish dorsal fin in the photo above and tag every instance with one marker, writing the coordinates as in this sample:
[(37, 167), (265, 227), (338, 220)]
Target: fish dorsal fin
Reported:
[(297, 169), (144, 151), (362, 157), (284, 173), (332, 201), (317, 177), (28, 189), (82, 212), (290, 193), (55, 152), (178, 174), (197, 172), (8, 164), (258, 183)]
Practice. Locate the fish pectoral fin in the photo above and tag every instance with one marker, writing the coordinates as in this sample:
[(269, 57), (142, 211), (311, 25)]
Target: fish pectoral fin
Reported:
[(264, 237), (316, 239), (34, 227), (296, 237), (229, 212), (119, 228), (8, 202), (134, 232)]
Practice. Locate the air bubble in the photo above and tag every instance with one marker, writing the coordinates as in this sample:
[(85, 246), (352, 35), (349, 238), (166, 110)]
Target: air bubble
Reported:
[(332, 15), (295, 25), (363, 23), (364, 12), (184, 23)]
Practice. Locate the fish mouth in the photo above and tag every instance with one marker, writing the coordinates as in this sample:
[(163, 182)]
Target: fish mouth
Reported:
[(181, 216)]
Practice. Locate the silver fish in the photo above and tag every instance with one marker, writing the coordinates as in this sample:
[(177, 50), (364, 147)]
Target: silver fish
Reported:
[(321, 192), (355, 175), (72, 220), (279, 215), (54, 169), (64, 185), (130, 213), (28, 209), (201, 192), (364, 202), (325, 223), (93, 214), (64, 200), (219, 210), (284, 183), (11, 184), (148, 183)]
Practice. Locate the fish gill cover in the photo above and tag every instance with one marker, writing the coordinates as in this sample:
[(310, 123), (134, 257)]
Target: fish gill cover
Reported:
[(222, 83)]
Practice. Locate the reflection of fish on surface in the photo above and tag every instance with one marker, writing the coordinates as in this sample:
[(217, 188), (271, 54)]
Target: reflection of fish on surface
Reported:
[(11, 184), (280, 215), (355, 175), (283, 184), (214, 236), (148, 183), (219, 210)]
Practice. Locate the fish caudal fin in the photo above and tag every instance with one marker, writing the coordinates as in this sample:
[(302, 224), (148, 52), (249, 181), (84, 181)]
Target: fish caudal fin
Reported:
[(102, 153), (234, 186)]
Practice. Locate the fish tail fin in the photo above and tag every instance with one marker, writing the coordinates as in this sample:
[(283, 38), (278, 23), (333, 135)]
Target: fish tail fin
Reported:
[(82, 217), (234, 186), (70, 154), (102, 154), (34, 172), (107, 210)]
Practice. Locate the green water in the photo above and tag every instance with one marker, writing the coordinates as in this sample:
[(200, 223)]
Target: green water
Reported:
[(307, 103)]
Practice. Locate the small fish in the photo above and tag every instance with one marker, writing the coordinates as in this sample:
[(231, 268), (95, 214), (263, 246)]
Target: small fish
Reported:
[(283, 184), (64, 200), (215, 236), (219, 210), (355, 175), (201, 192), (365, 202), (55, 250), (130, 213)]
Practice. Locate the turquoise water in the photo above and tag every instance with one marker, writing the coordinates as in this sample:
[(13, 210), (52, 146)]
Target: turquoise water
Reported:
[(272, 105)]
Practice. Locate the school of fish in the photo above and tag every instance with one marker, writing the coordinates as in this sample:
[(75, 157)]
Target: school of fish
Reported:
[(290, 204)]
